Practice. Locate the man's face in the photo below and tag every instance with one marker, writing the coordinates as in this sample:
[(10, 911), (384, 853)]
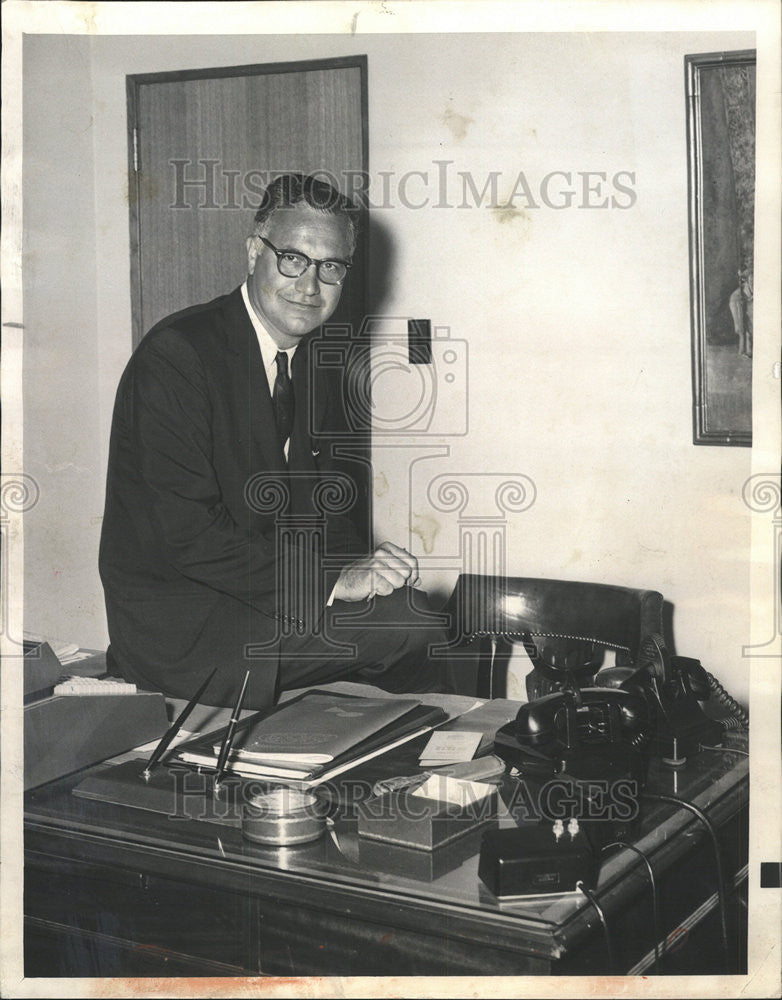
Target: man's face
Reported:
[(290, 307)]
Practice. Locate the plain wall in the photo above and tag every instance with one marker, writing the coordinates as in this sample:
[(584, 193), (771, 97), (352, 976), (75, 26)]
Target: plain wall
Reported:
[(576, 320), (62, 388)]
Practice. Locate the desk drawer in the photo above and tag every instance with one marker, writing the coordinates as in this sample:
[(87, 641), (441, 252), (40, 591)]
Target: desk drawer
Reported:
[(113, 922), (148, 914), (307, 940)]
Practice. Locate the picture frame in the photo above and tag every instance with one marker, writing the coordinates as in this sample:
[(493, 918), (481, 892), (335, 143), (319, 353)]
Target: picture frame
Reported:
[(721, 89)]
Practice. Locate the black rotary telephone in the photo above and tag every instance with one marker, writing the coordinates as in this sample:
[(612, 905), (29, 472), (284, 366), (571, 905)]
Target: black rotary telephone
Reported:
[(581, 717), (586, 732), (603, 729)]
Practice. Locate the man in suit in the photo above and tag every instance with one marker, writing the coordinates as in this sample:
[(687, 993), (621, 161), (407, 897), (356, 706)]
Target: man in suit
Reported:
[(208, 553)]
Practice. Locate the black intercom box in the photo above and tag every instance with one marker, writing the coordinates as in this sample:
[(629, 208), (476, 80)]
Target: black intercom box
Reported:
[(534, 860)]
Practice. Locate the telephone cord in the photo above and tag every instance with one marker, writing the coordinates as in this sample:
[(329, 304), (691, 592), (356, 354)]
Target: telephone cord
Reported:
[(655, 898), (722, 749), (732, 722), (606, 933), (673, 800), (722, 696)]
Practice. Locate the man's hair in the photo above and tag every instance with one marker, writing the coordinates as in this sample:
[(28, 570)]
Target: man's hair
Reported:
[(290, 189)]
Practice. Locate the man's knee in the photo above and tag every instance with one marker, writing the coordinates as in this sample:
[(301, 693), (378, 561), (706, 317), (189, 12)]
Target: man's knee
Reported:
[(408, 608), (408, 641)]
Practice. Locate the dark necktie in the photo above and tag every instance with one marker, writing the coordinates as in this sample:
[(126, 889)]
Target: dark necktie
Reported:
[(282, 398)]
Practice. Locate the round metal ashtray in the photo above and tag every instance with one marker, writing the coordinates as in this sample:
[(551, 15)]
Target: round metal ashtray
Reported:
[(283, 816)]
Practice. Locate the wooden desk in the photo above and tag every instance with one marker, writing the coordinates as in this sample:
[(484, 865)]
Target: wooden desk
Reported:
[(117, 891)]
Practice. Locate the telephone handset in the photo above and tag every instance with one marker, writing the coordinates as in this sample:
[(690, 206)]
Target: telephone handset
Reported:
[(573, 717), (611, 723), (673, 686), (593, 732)]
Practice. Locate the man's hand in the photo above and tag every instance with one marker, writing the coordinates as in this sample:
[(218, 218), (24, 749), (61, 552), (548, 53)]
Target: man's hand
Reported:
[(386, 570)]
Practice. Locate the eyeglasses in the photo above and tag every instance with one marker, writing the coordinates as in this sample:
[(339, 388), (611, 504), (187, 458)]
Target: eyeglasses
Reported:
[(293, 263)]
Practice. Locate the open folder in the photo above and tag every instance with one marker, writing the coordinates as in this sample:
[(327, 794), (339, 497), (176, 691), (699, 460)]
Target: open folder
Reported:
[(314, 737)]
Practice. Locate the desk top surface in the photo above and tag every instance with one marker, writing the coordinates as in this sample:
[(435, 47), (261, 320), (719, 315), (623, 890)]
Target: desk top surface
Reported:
[(185, 843)]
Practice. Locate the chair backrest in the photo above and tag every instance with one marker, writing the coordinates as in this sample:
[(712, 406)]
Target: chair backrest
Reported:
[(554, 613)]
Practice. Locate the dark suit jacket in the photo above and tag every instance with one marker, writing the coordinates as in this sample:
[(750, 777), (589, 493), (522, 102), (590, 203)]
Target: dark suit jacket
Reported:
[(192, 571)]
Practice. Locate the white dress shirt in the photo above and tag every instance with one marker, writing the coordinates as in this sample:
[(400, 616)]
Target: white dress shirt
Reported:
[(269, 353), (268, 350)]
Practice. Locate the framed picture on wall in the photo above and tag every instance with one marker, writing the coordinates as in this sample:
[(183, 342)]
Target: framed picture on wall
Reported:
[(721, 169)]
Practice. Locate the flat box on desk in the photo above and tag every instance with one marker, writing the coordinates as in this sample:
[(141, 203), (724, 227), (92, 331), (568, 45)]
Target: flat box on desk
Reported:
[(426, 824), (64, 734), (423, 866)]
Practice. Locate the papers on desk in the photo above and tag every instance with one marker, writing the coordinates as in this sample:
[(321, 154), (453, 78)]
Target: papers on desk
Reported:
[(349, 731), (83, 686), (66, 652), (288, 776), (450, 748), (453, 791), (180, 737), (316, 729)]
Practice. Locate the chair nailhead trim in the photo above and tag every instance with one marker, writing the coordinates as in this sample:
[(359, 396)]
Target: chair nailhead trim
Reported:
[(549, 635)]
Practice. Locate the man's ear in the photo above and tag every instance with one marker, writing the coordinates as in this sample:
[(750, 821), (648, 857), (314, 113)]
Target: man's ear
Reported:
[(252, 253)]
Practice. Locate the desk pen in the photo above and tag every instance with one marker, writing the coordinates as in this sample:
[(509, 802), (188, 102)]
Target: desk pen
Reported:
[(228, 739), (165, 742)]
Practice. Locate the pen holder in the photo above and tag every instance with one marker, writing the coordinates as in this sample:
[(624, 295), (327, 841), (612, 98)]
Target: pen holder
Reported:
[(283, 816)]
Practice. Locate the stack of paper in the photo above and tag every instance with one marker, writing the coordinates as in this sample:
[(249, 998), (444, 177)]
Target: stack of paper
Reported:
[(66, 652), (315, 736)]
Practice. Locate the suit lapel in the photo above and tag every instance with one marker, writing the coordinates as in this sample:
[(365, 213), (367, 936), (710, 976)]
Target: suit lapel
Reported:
[(253, 397)]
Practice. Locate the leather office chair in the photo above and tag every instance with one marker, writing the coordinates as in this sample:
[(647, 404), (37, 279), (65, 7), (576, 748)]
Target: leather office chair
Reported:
[(564, 625)]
